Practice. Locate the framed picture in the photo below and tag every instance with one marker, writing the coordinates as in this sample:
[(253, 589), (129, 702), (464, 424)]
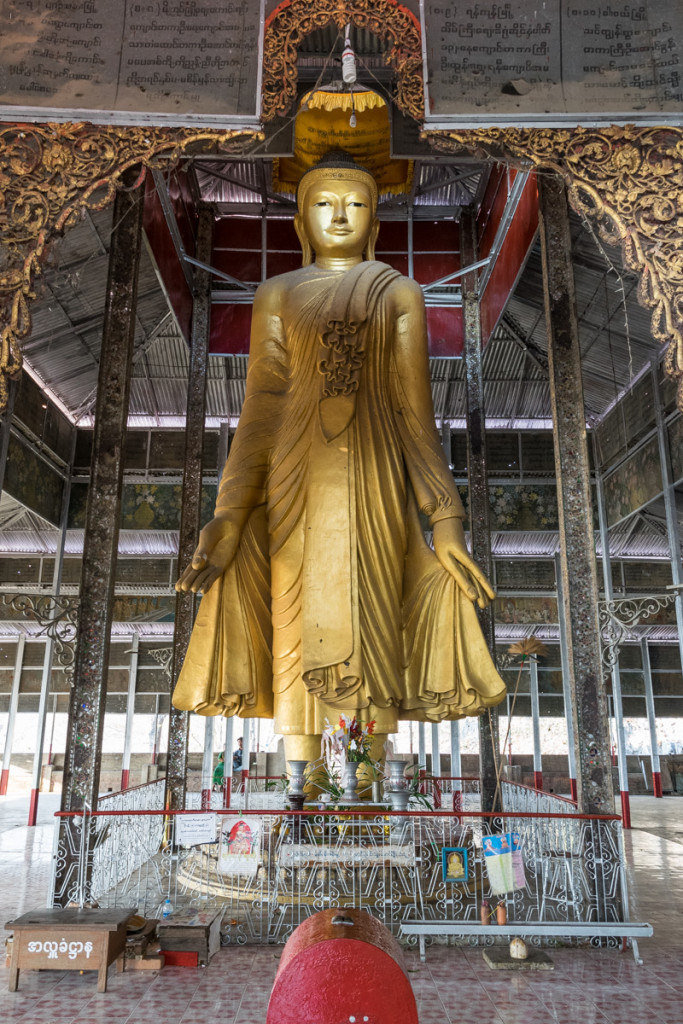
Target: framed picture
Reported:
[(504, 862), (240, 845), (454, 864)]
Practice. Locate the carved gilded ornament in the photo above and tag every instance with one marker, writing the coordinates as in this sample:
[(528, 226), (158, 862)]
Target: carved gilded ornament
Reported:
[(627, 180), (50, 173), (293, 20)]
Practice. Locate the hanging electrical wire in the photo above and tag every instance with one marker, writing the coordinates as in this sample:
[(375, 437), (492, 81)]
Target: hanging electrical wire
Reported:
[(349, 76)]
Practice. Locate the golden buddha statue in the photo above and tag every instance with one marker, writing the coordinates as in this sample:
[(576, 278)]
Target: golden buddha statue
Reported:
[(321, 594)]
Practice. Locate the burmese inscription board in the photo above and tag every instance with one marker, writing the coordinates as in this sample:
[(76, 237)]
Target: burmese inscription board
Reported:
[(501, 62), (168, 61)]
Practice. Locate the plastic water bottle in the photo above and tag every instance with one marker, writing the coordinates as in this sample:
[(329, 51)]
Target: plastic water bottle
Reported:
[(167, 909)]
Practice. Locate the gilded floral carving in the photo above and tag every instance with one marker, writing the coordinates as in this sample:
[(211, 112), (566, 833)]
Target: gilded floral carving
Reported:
[(49, 173), (293, 20), (629, 181)]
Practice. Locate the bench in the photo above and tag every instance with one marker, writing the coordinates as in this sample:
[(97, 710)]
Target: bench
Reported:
[(548, 929)]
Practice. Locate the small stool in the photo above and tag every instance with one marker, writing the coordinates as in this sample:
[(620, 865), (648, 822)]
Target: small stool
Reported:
[(194, 932)]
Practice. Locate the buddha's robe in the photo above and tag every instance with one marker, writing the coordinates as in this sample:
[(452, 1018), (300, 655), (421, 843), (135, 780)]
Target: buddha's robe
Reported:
[(335, 602)]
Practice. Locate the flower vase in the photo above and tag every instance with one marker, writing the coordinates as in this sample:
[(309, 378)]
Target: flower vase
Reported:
[(399, 799), (350, 780), (297, 778), (396, 778), (376, 792)]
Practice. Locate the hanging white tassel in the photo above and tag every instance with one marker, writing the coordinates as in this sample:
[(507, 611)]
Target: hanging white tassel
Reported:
[(348, 59)]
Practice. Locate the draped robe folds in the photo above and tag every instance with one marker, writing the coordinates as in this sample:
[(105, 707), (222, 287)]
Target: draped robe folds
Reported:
[(334, 601)]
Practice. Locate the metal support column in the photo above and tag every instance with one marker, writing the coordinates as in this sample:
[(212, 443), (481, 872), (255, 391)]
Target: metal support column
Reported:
[(536, 722), (155, 737), (615, 672), (223, 444), (566, 684), (46, 679), (480, 529), (12, 388), (227, 759), (12, 715), (456, 765), (207, 764), (670, 511), (86, 710), (247, 744), (179, 721), (436, 750), (37, 772), (130, 711), (651, 719), (578, 578)]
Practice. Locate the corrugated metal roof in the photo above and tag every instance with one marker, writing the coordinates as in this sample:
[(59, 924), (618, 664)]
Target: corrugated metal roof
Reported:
[(67, 320), (67, 314)]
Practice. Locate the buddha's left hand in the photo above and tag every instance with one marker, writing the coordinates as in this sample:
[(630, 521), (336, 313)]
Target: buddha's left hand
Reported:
[(451, 550)]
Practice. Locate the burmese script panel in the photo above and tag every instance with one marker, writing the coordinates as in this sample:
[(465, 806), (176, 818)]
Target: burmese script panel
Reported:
[(174, 58), (514, 59)]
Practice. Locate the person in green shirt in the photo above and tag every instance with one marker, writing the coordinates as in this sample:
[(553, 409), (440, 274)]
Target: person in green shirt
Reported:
[(218, 773)]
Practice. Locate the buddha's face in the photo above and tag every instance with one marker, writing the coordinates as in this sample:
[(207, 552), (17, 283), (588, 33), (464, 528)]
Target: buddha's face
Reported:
[(338, 218)]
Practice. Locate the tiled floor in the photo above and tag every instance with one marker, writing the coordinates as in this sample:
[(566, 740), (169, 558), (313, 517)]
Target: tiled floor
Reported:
[(455, 985)]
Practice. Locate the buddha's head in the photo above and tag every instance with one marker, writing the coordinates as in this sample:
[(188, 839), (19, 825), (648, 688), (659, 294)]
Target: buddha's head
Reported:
[(337, 202)]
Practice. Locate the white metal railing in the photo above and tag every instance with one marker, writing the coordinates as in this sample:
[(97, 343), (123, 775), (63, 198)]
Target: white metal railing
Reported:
[(252, 791), (147, 797), (276, 868), (518, 797)]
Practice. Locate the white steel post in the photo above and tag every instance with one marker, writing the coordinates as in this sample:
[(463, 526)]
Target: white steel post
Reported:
[(207, 763), (651, 719), (37, 772), (130, 711), (566, 687), (246, 750), (536, 723), (421, 745), (436, 751), (616, 674), (670, 508), (456, 765), (49, 646), (12, 715), (227, 758)]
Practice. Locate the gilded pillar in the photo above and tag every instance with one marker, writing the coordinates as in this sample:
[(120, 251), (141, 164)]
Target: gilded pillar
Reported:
[(86, 710), (480, 526), (178, 726), (578, 576)]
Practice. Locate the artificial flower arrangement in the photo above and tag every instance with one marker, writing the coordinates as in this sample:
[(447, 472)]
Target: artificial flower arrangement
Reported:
[(349, 739)]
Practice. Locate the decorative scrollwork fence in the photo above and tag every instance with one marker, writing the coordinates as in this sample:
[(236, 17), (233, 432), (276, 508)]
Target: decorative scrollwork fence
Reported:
[(572, 867)]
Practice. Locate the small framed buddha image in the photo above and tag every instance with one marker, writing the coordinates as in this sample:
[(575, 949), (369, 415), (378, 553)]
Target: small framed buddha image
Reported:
[(454, 864)]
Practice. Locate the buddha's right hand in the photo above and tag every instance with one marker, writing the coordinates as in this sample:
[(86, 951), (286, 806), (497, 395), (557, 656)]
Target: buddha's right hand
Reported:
[(215, 551)]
